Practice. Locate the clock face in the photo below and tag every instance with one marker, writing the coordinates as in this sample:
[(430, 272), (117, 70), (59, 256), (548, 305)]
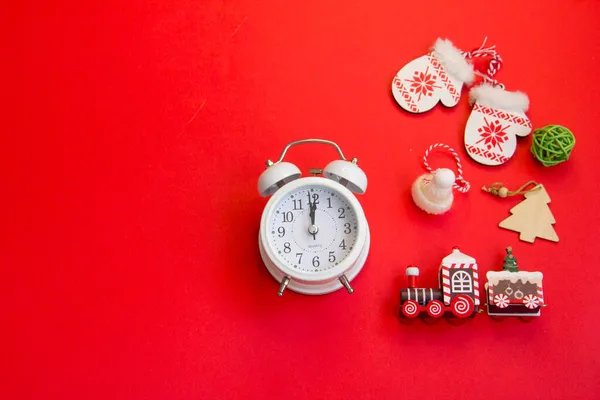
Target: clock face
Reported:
[(312, 229)]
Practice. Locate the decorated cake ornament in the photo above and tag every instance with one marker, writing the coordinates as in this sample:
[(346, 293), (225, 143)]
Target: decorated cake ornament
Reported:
[(512, 292), (432, 192), (498, 117)]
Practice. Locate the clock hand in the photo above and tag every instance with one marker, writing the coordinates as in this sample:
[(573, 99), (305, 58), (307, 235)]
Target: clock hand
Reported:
[(312, 229), (310, 209)]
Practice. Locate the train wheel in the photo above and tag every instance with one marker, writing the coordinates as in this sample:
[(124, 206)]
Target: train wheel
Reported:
[(457, 321), (501, 300), (462, 306), (435, 309), (431, 321), (497, 318), (527, 318), (410, 309), (532, 302)]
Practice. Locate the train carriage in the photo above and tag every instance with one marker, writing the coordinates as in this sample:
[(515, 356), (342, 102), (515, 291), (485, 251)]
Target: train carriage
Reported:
[(515, 294)]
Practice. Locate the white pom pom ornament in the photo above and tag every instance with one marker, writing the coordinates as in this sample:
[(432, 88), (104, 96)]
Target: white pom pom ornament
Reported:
[(432, 192)]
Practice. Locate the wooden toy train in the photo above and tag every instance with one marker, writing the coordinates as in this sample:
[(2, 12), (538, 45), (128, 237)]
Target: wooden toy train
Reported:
[(509, 292)]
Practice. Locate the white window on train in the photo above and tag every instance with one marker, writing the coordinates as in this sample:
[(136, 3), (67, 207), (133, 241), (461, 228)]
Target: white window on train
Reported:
[(462, 282)]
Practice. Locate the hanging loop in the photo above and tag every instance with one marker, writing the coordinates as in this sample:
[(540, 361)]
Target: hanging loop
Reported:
[(494, 64), (498, 189), (460, 184)]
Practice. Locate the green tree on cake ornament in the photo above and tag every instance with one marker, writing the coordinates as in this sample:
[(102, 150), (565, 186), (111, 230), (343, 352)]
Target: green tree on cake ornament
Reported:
[(510, 262)]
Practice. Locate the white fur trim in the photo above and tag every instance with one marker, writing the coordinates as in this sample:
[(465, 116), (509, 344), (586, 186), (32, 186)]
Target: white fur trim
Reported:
[(496, 97), (429, 198), (453, 61)]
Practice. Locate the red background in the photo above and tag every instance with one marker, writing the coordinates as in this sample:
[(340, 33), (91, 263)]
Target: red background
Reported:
[(133, 136)]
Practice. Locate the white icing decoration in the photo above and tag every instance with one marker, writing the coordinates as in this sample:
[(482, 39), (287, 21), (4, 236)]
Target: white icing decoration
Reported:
[(457, 258), (494, 277)]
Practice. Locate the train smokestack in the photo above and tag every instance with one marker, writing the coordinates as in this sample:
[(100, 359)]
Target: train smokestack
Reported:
[(412, 273)]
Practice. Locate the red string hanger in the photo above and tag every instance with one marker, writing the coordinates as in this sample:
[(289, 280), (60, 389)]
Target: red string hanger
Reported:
[(460, 183), (489, 55), (432, 192)]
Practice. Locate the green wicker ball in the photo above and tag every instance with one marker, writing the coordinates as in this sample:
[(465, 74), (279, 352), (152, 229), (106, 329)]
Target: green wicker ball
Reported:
[(552, 144)]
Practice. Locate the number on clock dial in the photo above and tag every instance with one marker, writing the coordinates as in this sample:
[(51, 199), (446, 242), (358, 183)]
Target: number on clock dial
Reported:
[(296, 246)]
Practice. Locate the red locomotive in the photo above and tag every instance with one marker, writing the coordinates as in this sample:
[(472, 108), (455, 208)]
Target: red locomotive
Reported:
[(458, 293)]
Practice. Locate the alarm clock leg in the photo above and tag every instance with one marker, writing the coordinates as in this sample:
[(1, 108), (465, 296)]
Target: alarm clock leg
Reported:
[(346, 284), (284, 282)]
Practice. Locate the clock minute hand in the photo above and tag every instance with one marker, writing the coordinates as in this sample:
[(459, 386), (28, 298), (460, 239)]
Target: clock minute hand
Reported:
[(311, 211), (312, 229)]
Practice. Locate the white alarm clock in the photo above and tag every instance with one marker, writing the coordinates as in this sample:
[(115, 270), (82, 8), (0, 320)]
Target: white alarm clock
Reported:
[(314, 237)]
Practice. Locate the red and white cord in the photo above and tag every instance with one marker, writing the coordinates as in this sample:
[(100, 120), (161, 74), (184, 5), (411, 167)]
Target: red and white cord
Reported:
[(460, 184), (494, 65)]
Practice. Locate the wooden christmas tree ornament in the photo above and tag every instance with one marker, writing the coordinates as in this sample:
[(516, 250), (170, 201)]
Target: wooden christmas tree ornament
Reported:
[(532, 217)]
